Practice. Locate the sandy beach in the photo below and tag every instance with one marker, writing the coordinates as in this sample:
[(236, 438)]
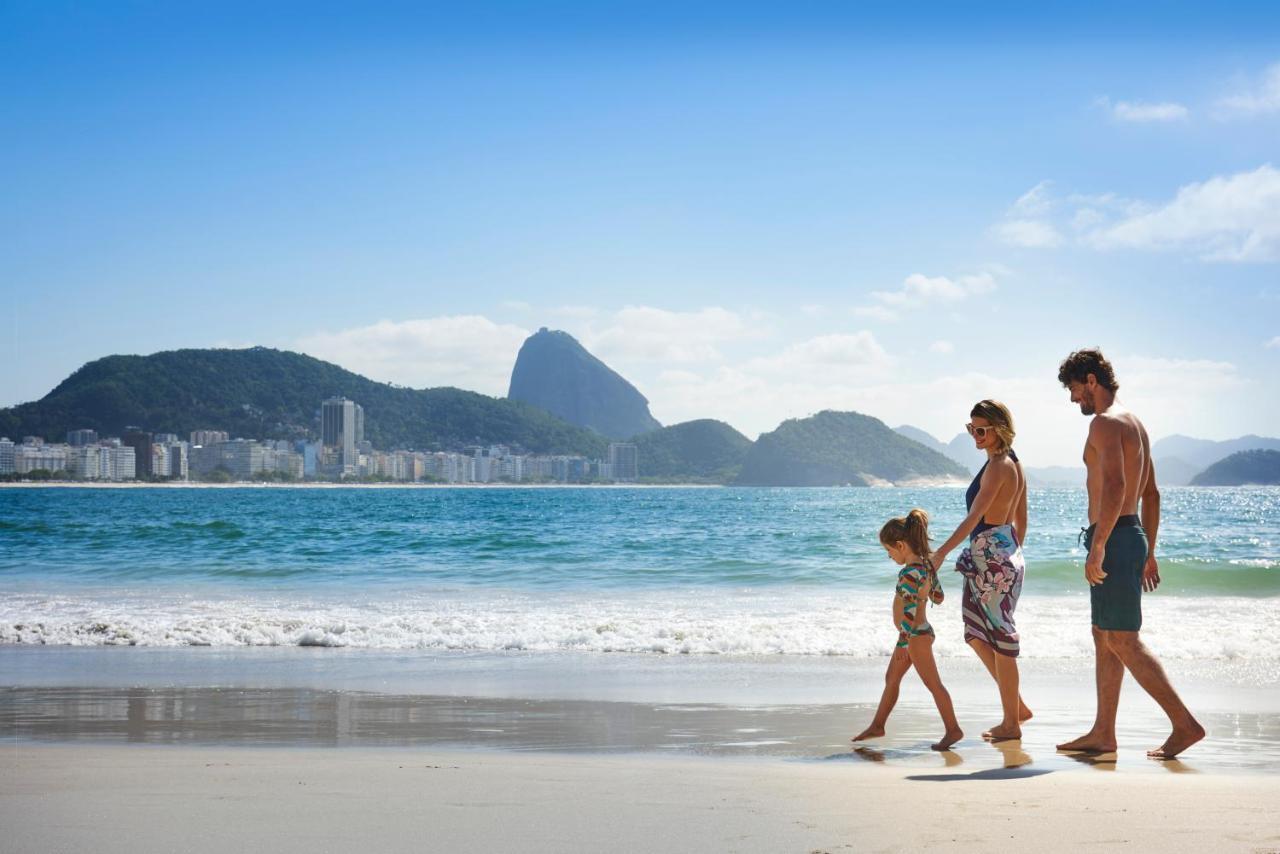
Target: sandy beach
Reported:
[(135, 799)]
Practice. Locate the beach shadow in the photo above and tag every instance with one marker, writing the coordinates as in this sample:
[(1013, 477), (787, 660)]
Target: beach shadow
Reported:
[(986, 774), (1014, 762), (1177, 766)]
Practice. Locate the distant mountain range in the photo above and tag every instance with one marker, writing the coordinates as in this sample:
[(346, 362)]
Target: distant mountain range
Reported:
[(1179, 459), (562, 400)]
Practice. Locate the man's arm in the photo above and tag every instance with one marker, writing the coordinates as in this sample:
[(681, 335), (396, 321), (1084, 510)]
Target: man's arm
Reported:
[(1150, 511), (1108, 446)]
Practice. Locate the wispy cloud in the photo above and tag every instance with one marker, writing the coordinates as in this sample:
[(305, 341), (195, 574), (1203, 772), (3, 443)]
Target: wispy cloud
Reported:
[(1140, 111), (919, 290), (1030, 233), (1260, 97), (1234, 218), (1273, 344), (1226, 218), (468, 351), (943, 347)]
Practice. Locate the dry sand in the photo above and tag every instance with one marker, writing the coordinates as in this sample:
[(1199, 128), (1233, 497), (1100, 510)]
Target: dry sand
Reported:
[(157, 798)]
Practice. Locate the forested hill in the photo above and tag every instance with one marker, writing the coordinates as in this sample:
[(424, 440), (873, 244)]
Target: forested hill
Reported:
[(264, 393), (705, 450), (1259, 466), (838, 448)]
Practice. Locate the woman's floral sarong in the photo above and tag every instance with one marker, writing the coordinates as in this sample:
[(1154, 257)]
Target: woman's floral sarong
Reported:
[(992, 567)]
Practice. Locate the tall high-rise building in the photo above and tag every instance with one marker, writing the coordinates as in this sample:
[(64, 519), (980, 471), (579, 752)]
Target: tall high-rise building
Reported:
[(624, 462), (141, 444), (342, 429)]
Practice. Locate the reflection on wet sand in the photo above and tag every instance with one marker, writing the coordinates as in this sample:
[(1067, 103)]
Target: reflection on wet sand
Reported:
[(307, 717)]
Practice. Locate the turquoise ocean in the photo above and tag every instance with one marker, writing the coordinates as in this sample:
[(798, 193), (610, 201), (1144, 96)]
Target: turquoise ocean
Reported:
[(695, 571)]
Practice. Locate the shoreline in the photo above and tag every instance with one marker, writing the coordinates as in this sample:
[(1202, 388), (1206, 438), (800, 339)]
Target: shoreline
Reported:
[(138, 798)]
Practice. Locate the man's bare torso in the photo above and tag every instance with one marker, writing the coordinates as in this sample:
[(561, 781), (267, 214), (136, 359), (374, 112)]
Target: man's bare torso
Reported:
[(1135, 450)]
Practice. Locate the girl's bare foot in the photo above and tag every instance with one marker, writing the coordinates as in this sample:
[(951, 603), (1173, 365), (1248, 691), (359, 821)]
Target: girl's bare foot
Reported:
[(1178, 741), (1090, 742), (872, 731), (949, 738)]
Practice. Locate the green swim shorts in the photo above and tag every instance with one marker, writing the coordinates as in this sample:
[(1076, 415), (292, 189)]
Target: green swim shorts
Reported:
[(1116, 603)]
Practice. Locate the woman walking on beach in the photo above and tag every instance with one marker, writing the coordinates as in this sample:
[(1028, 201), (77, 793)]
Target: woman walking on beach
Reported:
[(992, 563)]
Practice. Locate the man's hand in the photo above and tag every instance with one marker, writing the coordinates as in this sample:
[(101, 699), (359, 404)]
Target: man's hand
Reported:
[(1151, 575), (1093, 572)]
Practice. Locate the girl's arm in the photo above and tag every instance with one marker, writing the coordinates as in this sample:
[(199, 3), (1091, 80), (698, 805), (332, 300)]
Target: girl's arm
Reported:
[(988, 488), (899, 612)]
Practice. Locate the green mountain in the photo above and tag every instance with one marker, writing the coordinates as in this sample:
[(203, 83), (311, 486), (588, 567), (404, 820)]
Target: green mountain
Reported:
[(1242, 467), (263, 393), (705, 451), (837, 448), (557, 373)]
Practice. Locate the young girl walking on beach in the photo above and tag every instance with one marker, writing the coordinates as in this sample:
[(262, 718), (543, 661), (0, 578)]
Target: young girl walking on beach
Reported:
[(906, 540)]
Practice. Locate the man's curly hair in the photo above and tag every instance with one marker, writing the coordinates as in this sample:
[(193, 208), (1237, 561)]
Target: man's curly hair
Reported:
[(1081, 363)]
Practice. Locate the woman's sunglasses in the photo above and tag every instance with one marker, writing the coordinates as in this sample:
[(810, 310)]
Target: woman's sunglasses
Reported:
[(978, 432)]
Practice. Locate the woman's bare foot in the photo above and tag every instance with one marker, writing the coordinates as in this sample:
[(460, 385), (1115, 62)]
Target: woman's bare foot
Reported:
[(949, 738), (1090, 742), (1024, 714), (872, 731), (1178, 741)]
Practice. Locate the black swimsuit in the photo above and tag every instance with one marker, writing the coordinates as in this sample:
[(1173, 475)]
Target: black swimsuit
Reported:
[(972, 493)]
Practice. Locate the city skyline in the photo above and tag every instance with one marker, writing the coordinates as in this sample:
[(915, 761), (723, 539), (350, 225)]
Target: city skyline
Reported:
[(750, 222)]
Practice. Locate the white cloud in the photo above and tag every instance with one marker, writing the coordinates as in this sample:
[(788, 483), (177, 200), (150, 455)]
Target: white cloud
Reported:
[(943, 347), (1138, 111), (468, 351), (1031, 233), (1273, 344), (1226, 218), (1034, 202), (1261, 98), (919, 291), (640, 333)]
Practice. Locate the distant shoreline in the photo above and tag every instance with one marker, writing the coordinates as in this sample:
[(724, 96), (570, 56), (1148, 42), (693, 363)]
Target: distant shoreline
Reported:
[(88, 484), (63, 484)]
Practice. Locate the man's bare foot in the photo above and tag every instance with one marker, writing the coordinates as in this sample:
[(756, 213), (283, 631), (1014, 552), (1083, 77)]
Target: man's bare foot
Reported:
[(872, 731), (1090, 742), (1179, 740), (949, 738), (1000, 732)]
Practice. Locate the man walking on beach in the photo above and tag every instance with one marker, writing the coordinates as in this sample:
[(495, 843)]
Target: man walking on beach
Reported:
[(1121, 561)]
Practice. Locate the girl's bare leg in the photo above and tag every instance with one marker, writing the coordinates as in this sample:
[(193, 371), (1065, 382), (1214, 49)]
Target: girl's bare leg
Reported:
[(899, 664), (988, 657), (921, 650)]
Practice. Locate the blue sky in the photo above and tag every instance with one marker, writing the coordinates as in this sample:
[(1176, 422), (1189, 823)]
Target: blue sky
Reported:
[(752, 212)]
